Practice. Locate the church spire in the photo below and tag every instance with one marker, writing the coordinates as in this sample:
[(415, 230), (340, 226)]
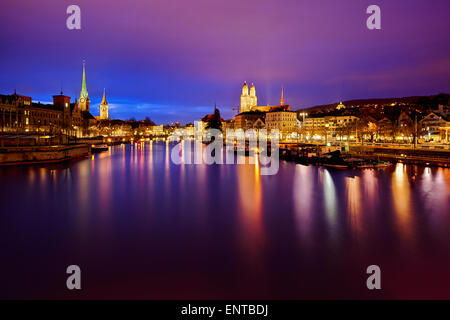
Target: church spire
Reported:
[(84, 93), (104, 113), (282, 97), (104, 97)]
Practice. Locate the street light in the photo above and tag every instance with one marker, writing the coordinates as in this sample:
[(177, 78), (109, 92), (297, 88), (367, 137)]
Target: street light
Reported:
[(303, 114)]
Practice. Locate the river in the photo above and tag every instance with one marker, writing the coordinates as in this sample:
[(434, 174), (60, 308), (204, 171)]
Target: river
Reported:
[(140, 226)]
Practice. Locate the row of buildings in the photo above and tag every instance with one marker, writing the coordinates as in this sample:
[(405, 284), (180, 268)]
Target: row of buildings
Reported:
[(277, 117), (19, 114), (428, 126), (392, 123)]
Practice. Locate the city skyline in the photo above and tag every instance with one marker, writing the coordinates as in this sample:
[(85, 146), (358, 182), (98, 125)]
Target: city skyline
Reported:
[(225, 158), (175, 69)]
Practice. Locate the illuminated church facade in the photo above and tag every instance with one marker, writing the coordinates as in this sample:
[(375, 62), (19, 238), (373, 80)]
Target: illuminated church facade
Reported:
[(249, 101), (104, 108), (278, 117), (84, 101)]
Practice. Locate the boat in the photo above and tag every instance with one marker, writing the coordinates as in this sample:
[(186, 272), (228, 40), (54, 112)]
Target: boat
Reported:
[(370, 164), (333, 160), (335, 166), (382, 164), (99, 147)]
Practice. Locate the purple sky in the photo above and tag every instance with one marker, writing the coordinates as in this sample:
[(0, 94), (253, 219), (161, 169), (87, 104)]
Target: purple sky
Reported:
[(170, 60)]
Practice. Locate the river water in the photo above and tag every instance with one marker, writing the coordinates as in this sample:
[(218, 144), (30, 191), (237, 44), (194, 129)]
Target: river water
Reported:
[(140, 226)]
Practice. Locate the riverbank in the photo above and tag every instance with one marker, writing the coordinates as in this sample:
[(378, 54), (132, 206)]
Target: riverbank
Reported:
[(416, 156), (42, 154), (360, 156)]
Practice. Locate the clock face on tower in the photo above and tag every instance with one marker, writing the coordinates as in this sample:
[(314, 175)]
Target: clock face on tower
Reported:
[(82, 100)]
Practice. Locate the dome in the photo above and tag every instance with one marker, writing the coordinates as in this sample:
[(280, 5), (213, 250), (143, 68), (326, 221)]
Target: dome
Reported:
[(252, 90), (245, 89), (340, 106)]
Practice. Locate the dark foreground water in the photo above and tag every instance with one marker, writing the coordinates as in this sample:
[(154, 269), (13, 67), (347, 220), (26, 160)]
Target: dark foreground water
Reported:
[(142, 227)]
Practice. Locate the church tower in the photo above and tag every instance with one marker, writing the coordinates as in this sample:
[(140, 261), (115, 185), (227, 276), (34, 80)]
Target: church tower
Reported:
[(245, 98), (282, 97), (104, 108), (253, 99), (84, 97)]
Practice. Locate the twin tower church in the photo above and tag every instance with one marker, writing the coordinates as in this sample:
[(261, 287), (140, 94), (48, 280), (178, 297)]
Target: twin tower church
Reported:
[(249, 101), (84, 101)]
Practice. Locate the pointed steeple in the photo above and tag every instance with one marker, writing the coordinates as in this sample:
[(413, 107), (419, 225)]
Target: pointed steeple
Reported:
[(84, 93), (104, 107), (104, 97), (282, 97)]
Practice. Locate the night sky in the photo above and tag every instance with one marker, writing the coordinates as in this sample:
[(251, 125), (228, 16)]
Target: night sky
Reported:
[(171, 60)]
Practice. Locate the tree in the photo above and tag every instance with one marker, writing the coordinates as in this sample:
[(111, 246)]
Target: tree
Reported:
[(149, 121), (214, 121)]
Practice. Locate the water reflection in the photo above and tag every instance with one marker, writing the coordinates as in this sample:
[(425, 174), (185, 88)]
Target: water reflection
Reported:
[(150, 169), (401, 198), (435, 192), (354, 206), (303, 191), (251, 236), (82, 194), (371, 187), (103, 173), (157, 220), (250, 201), (329, 193)]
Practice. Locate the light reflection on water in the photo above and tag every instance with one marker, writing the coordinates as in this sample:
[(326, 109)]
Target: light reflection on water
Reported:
[(329, 193), (303, 197), (131, 213), (354, 207), (401, 197)]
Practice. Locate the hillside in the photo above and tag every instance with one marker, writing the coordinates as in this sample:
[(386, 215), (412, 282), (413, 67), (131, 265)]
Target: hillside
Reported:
[(430, 101)]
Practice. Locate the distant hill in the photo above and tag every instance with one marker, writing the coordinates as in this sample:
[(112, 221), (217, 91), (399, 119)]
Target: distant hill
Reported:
[(433, 99)]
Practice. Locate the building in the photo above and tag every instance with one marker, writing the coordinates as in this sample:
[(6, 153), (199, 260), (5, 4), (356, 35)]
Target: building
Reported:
[(189, 130), (385, 130), (249, 101), (340, 106), (434, 127), (445, 133), (84, 103), (313, 126), (250, 120), (253, 116), (104, 108), (341, 127), (332, 127), (157, 130), (284, 121), (228, 125), (20, 115)]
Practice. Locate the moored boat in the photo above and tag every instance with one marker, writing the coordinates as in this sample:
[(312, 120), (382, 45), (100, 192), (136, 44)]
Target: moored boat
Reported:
[(99, 147)]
